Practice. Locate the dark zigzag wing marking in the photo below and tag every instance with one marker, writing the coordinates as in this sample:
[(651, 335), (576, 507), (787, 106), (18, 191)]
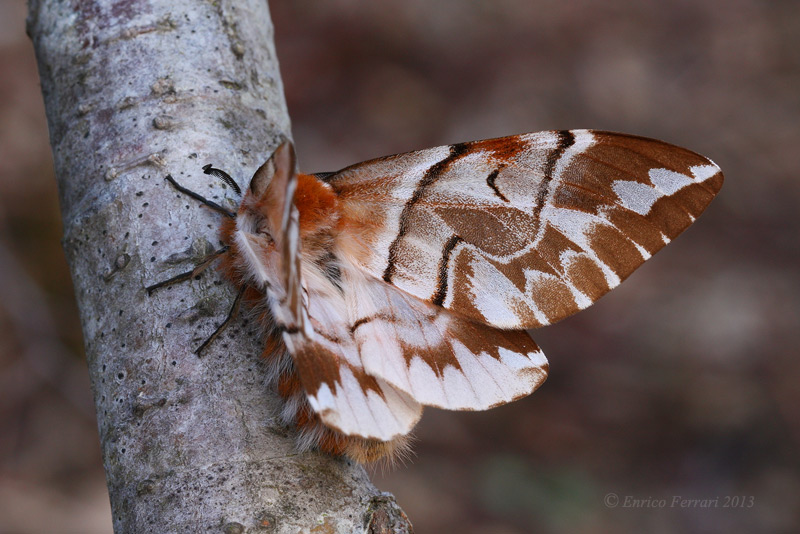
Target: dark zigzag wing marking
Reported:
[(565, 140), (441, 290), (490, 181), (429, 178)]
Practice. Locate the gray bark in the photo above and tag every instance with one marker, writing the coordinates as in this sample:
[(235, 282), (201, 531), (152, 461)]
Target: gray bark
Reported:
[(134, 91)]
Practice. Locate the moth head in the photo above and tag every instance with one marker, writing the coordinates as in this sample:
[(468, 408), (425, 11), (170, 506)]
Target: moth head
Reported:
[(266, 225), (280, 167), (268, 202)]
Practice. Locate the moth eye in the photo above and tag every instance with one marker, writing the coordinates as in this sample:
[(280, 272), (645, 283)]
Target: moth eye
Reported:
[(262, 228), (263, 232)]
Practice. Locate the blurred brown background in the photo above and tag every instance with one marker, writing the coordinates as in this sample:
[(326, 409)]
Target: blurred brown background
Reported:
[(683, 382)]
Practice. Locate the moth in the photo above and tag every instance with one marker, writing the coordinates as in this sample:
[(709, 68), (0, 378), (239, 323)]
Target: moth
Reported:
[(411, 280)]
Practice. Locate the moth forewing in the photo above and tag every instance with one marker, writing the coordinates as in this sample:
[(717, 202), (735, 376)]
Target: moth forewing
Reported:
[(522, 231)]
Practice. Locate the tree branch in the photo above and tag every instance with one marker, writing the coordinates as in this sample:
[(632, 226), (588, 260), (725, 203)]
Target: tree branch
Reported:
[(134, 91)]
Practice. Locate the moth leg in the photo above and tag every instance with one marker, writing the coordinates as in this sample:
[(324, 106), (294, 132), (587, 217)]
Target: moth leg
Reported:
[(202, 266), (231, 314), (203, 200)]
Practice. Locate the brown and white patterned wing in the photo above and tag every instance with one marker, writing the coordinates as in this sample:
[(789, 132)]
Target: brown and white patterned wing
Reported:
[(520, 231), (437, 357), (338, 388), (370, 355)]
